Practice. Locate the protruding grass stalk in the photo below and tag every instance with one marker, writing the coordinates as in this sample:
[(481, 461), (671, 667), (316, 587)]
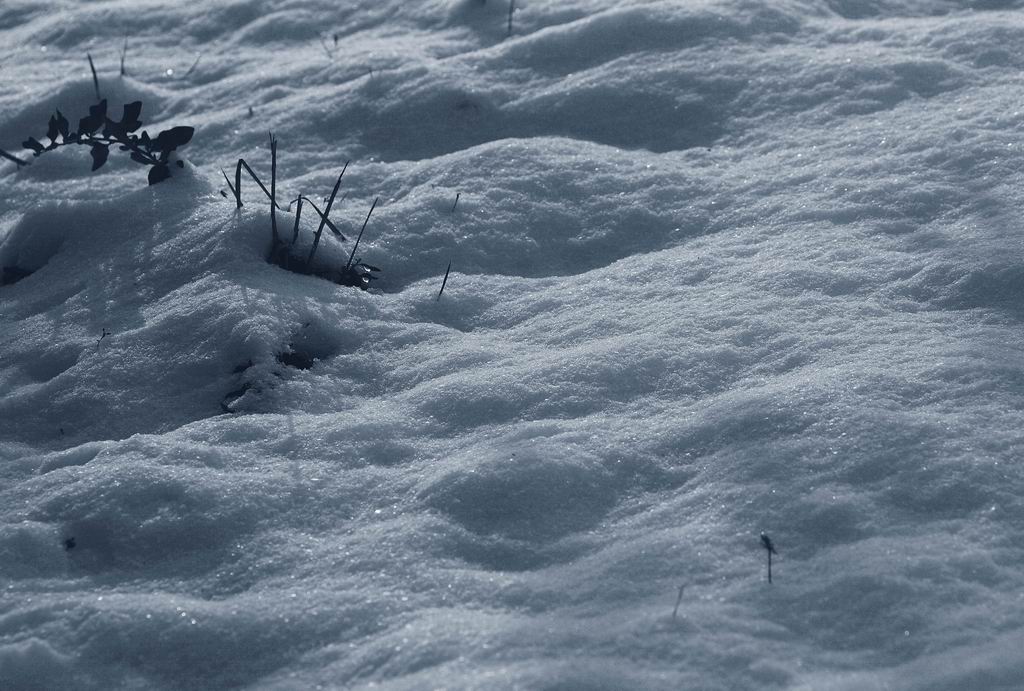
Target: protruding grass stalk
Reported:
[(445, 281), (679, 599), (238, 180), (323, 217), (192, 69), (766, 542), (12, 158), (298, 215), (236, 189), (356, 246), (95, 79), (273, 191), (327, 50), (124, 52)]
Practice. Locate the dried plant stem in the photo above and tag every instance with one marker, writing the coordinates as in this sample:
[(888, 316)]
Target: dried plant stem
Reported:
[(11, 157), (95, 79), (445, 281), (236, 189), (228, 180), (679, 599), (323, 218), (194, 65), (273, 191), (355, 246), (124, 52), (298, 215), (326, 49), (767, 543), (334, 229), (90, 139)]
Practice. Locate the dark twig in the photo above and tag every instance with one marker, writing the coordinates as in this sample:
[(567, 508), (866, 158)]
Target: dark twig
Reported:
[(323, 218), (103, 335), (147, 157), (237, 187), (678, 600), (322, 215), (124, 52), (194, 65), (298, 215), (445, 281), (273, 191), (766, 542), (511, 9), (238, 181), (230, 186), (326, 49), (95, 79), (457, 195), (10, 157), (374, 206)]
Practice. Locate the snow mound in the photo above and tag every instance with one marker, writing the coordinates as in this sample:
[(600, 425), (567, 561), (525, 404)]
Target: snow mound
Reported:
[(717, 268)]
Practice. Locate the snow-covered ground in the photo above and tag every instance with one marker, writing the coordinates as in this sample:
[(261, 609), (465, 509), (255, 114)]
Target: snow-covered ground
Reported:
[(718, 267)]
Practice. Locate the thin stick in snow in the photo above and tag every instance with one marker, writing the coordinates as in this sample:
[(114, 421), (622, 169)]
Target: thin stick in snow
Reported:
[(323, 218), (326, 49), (230, 186), (12, 158), (102, 336), (678, 600), (194, 65), (355, 246), (124, 52), (445, 281), (457, 195), (298, 215), (766, 542), (95, 79), (273, 191)]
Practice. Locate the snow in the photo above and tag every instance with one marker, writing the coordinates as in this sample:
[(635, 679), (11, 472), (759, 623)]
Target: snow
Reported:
[(718, 267)]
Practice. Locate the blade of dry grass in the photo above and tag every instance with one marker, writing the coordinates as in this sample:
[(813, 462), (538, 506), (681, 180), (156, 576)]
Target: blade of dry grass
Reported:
[(237, 189), (95, 79), (194, 65), (323, 217), (273, 191), (445, 281), (11, 157), (124, 52), (330, 224), (355, 246)]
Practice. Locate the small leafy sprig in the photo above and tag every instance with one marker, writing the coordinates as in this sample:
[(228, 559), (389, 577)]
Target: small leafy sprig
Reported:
[(98, 131)]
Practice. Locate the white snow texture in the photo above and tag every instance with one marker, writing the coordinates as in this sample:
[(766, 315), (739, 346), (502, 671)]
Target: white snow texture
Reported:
[(718, 267)]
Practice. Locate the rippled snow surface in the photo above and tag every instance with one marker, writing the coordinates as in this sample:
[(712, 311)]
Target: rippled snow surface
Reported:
[(718, 267)]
